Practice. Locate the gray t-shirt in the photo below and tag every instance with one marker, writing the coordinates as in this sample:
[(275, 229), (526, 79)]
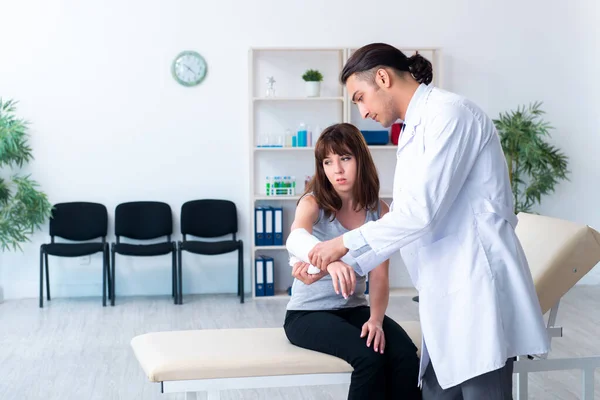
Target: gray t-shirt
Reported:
[(320, 295)]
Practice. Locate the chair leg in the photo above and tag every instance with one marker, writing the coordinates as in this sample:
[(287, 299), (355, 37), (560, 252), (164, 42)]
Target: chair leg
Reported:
[(238, 277), (108, 274), (174, 276), (114, 277), (241, 271), (47, 278), (180, 277), (42, 277), (104, 277)]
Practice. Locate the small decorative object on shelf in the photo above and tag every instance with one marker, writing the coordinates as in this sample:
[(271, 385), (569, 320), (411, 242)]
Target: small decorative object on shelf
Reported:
[(271, 141), (270, 87), (280, 186), (313, 80), (377, 137), (395, 133), (289, 138)]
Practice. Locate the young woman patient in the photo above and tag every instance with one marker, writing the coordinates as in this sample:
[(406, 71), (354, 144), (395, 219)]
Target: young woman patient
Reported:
[(343, 195)]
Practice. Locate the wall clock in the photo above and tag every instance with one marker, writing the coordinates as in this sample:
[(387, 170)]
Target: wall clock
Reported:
[(189, 68)]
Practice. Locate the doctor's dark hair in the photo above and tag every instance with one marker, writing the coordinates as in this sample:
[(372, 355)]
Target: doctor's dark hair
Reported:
[(344, 139), (365, 61)]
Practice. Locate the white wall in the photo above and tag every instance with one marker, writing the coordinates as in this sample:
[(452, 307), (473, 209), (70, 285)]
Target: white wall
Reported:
[(109, 124)]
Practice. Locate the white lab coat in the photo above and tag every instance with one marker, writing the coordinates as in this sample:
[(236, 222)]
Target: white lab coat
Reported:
[(452, 220)]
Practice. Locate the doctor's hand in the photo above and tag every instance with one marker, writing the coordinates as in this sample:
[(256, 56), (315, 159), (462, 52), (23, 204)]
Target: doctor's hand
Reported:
[(300, 272), (342, 277), (327, 252), (374, 329)]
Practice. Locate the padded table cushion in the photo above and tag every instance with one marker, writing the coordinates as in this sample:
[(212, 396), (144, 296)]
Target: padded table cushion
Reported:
[(234, 353), (559, 254)]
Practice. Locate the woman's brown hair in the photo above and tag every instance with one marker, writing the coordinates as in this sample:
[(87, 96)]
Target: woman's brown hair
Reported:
[(343, 139)]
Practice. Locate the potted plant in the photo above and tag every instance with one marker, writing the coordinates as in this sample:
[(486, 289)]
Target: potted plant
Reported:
[(23, 207), (534, 166), (313, 80)]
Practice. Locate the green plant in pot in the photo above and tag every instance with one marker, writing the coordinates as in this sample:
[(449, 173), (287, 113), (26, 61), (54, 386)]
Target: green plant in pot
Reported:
[(534, 166), (313, 79), (23, 207)]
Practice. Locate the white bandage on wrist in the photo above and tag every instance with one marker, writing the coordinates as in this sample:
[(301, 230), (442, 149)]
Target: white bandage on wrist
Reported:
[(311, 269), (299, 243)]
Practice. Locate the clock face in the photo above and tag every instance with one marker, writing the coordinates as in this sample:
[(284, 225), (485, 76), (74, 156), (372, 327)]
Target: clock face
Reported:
[(189, 68)]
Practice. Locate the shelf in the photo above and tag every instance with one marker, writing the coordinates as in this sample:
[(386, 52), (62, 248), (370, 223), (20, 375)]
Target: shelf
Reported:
[(284, 149), (257, 248), (275, 198), (382, 147), (278, 296), (296, 48), (275, 99)]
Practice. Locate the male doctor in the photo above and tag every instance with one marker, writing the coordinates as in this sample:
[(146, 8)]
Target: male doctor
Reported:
[(452, 220)]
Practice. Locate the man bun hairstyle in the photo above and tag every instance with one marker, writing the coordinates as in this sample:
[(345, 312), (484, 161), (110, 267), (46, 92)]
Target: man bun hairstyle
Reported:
[(377, 55)]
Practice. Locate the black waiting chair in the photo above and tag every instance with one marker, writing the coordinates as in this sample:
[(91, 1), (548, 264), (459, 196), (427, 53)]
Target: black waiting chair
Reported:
[(144, 220), (78, 222), (210, 219)]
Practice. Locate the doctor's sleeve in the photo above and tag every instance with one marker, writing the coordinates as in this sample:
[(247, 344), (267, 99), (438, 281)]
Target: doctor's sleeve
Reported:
[(453, 139)]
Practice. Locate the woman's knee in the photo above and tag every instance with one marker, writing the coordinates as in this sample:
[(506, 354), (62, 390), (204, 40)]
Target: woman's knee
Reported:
[(403, 362), (369, 359)]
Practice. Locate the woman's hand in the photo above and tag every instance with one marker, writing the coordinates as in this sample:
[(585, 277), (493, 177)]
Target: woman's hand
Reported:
[(300, 272), (327, 252), (374, 329), (342, 277)]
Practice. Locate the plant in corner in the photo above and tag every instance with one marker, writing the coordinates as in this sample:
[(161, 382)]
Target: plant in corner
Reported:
[(313, 79), (534, 166), (23, 207)]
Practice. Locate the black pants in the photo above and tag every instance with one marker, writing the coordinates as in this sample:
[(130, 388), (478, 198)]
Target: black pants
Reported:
[(391, 375)]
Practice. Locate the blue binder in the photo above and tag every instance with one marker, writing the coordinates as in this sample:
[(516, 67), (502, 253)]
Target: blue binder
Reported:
[(259, 226), (259, 281), (269, 225), (269, 276), (278, 226)]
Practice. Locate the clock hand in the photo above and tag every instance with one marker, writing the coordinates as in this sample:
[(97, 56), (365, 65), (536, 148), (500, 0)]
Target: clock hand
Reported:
[(189, 69)]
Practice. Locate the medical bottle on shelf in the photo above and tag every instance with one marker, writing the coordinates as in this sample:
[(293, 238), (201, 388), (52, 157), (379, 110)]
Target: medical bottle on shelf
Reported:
[(288, 138), (309, 136), (287, 184), (268, 185), (293, 182), (282, 187), (315, 135), (276, 185), (302, 135)]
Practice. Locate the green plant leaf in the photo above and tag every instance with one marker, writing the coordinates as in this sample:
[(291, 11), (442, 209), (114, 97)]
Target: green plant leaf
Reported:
[(23, 206), (312, 75), (535, 166)]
